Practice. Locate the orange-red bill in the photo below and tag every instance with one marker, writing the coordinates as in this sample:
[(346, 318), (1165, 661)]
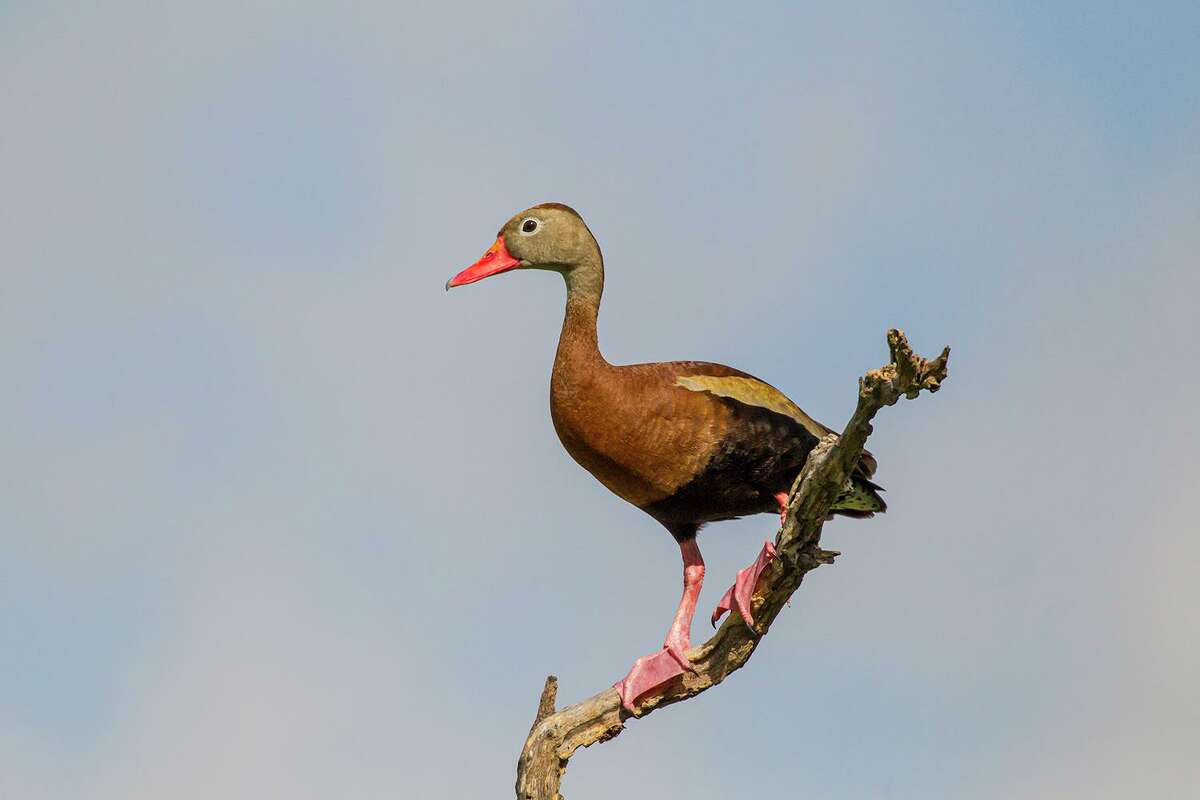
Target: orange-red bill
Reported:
[(497, 259)]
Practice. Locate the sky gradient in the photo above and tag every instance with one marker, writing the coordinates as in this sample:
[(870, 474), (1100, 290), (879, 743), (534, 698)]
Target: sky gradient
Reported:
[(280, 518)]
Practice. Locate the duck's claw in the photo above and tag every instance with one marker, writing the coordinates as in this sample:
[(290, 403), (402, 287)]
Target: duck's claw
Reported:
[(647, 673), (740, 595)]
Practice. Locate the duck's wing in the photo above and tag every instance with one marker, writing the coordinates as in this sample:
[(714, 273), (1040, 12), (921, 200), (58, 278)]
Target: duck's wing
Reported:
[(733, 384)]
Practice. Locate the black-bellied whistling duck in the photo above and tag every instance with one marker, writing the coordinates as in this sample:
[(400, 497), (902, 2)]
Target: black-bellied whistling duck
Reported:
[(687, 442)]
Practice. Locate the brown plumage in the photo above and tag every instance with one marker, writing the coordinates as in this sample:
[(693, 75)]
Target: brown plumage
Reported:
[(688, 442)]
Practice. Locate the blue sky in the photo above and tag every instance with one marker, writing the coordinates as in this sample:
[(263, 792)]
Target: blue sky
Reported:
[(279, 517)]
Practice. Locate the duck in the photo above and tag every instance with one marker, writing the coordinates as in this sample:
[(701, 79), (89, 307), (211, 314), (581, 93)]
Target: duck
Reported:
[(687, 442)]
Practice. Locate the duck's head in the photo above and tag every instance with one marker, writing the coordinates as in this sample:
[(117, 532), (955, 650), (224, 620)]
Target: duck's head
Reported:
[(548, 236)]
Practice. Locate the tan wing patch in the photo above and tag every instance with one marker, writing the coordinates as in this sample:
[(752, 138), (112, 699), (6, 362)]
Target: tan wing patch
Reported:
[(752, 392)]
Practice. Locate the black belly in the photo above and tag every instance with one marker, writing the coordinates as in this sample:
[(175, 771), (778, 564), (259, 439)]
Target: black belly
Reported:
[(760, 455)]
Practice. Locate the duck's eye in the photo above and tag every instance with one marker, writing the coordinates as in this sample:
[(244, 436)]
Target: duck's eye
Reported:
[(529, 226)]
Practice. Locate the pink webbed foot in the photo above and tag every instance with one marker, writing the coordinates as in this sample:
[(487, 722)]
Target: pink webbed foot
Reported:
[(739, 595), (650, 672)]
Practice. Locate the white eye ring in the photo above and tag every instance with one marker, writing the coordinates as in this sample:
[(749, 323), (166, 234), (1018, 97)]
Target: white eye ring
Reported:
[(529, 226)]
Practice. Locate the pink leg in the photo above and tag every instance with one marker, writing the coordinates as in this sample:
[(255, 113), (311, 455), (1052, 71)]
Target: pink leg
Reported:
[(739, 595), (658, 668), (782, 498)]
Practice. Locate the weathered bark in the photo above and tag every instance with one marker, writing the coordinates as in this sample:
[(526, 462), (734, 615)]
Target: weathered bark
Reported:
[(555, 736)]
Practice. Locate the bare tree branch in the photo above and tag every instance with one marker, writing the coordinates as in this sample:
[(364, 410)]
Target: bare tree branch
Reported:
[(556, 736)]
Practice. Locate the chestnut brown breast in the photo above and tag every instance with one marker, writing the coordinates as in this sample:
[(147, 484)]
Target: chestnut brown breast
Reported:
[(637, 432)]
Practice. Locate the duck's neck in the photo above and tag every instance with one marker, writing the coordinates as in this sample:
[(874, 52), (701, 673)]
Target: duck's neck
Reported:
[(578, 347)]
